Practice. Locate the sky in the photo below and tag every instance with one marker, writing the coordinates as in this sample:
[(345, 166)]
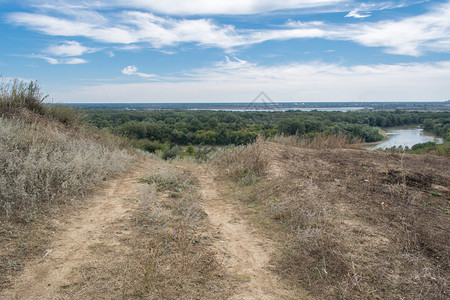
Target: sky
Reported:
[(157, 51)]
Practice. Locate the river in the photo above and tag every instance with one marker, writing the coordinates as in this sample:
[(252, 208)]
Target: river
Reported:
[(271, 108), (406, 136)]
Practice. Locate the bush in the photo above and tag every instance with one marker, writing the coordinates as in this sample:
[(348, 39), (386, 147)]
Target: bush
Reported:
[(170, 153), (67, 115), (365, 132), (19, 95), (146, 145)]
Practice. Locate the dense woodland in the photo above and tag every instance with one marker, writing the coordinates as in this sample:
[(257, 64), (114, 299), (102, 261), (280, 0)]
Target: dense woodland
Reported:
[(157, 129)]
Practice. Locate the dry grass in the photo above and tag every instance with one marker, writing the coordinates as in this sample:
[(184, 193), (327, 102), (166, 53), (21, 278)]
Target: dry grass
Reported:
[(359, 224), (17, 94), (43, 164), (245, 164), (47, 158), (168, 180), (169, 254), (317, 142), (171, 257), (46, 154)]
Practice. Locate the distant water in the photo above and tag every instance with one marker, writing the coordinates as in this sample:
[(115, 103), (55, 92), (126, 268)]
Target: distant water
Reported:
[(406, 136), (341, 109)]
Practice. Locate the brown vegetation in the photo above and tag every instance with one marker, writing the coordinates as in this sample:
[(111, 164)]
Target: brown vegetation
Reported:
[(47, 159), (332, 141), (171, 256), (359, 224)]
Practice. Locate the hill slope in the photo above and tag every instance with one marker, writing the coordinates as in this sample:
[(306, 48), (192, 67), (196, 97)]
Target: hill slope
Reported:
[(265, 221), (356, 223)]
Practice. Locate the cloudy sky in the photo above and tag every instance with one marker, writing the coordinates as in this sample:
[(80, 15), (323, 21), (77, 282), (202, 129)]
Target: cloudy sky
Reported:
[(229, 51)]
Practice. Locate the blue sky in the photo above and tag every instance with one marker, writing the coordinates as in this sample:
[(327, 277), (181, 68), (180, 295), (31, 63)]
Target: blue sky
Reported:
[(228, 51)]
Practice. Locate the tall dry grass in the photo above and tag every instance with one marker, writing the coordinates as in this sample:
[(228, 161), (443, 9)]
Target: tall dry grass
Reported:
[(332, 141), (245, 164), (43, 163), (17, 94), (47, 154)]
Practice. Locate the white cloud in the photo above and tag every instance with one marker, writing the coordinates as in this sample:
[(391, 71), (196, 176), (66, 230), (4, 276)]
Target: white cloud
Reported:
[(130, 70), (73, 61), (69, 48), (356, 14), (133, 70), (408, 36), (363, 9), (237, 80), (61, 61), (66, 27), (138, 27), (213, 7)]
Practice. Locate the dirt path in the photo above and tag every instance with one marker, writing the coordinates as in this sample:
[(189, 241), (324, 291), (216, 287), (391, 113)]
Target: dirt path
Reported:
[(79, 234), (246, 253), (103, 225)]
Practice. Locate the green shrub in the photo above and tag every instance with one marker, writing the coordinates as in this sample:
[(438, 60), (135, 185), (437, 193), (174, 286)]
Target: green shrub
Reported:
[(170, 152), (146, 145)]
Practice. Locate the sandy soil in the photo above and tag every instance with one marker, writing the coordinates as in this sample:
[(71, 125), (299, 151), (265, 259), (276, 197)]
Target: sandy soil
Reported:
[(246, 253), (79, 234)]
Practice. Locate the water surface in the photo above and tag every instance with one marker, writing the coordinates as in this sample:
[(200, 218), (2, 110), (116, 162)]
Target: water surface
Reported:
[(406, 136), (275, 109)]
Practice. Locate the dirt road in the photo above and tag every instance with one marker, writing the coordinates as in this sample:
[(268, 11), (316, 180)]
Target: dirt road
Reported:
[(104, 224), (247, 253), (98, 224)]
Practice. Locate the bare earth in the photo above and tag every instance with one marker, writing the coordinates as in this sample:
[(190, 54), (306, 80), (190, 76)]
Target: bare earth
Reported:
[(43, 278), (245, 254)]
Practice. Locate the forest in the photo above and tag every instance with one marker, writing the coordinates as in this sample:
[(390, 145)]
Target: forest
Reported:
[(158, 129)]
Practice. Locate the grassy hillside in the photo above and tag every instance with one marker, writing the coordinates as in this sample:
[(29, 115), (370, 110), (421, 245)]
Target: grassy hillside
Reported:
[(47, 157), (351, 224), (337, 221)]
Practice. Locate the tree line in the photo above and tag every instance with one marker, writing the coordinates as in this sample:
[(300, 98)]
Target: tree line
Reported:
[(152, 129)]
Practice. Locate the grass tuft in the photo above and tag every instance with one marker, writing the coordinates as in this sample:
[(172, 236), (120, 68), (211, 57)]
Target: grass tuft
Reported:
[(245, 164), (15, 95)]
